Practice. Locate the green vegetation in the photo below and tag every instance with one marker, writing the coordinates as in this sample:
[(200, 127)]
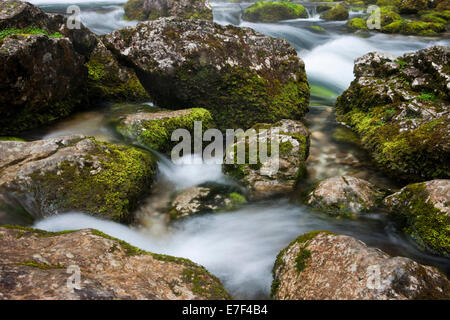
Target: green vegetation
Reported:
[(318, 29), (268, 11), (28, 31), (156, 134), (112, 189), (336, 13), (301, 260), (414, 28), (356, 24), (42, 266), (418, 218)]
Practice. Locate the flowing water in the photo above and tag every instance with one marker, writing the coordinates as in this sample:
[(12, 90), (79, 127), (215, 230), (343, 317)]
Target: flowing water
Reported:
[(240, 246)]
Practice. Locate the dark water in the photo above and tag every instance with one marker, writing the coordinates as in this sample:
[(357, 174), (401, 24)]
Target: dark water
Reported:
[(240, 247)]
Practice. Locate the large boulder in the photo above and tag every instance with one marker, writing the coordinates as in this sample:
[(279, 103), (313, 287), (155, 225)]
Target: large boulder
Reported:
[(321, 265), (345, 196), (154, 129), (268, 11), (154, 9), (281, 171), (109, 80), (48, 177), (42, 61), (241, 76), (336, 13), (40, 265), (422, 211), (400, 109)]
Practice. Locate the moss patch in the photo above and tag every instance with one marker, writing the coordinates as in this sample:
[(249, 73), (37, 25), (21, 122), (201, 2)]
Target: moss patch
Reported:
[(268, 11)]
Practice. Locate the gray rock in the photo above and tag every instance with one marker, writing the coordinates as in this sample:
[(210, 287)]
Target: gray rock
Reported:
[(345, 195), (422, 211), (320, 265), (68, 173), (241, 76)]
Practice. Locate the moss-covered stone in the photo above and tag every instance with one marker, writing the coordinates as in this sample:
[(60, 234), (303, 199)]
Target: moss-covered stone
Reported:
[(405, 143), (241, 76), (108, 80), (414, 28), (154, 130), (268, 11), (154, 9), (336, 13), (356, 24), (418, 210)]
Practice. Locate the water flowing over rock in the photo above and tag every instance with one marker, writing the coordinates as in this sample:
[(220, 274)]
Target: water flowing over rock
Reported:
[(320, 265), (154, 130), (36, 265), (345, 195), (241, 76), (42, 62), (422, 210), (154, 9), (400, 109), (280, 171), (52, 176)]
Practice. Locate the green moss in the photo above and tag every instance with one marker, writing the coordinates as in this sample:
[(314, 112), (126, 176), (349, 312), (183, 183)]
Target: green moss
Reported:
[(338, 12), (356, 24), (42, 266), (124, 176), (156, 134), (343, 134), (318, 29), (136, 10), (418, 218), (301, 259), (27, 32), (11, 139), (268, 11), (430, 97), (37, 232), (237, 199), (414, 28), (202, 285)]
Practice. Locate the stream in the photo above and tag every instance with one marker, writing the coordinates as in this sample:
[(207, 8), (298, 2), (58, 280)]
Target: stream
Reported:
[(240, 247)]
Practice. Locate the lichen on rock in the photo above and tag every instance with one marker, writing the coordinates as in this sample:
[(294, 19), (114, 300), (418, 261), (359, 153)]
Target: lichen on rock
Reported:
[(242, 77), (154, 9), (399, 106), (282, 170), (36, 262), (67, 173), (324, 266), (422, 211)]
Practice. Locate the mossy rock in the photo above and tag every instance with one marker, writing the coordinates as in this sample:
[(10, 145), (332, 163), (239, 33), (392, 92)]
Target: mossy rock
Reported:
[(109, 80), (419, 152), (154, 130), (421, 210), (268, 11), (412, 6), (356, 24), (154, 9), (317, 29), (336, 13), (242, 77), (77, 173), (414, 28)]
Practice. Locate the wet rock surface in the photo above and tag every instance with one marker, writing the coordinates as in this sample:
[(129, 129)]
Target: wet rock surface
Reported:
[(56, 175), (36, 264), (322, 265), (241, 76), (400, 108), (280, 171), (154, 130), (422, 211), (345, 195), (154, 9), (42, 64), (205, 198)]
